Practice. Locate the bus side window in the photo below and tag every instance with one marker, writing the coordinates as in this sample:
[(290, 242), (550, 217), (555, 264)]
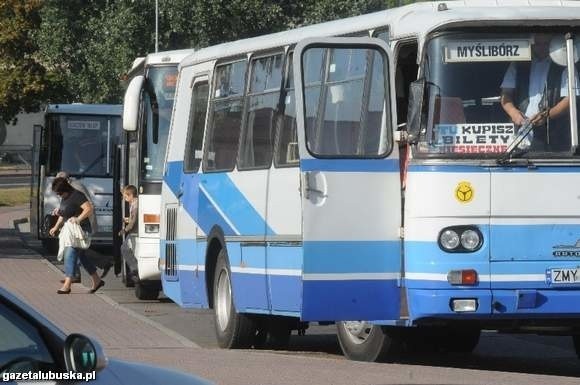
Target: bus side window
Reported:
[(196, 127), (405, 73), (227, 104), (287, 136), (262, 112)]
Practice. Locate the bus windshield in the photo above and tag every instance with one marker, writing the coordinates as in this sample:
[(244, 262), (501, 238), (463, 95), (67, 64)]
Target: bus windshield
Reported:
[(81, 145), (483, 88), (158, 103)]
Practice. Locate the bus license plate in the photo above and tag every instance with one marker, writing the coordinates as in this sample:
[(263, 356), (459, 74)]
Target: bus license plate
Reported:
[(563, 276)]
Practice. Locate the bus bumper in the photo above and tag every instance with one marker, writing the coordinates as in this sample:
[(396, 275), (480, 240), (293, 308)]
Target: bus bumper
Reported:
[(496, 304), (147, 254)]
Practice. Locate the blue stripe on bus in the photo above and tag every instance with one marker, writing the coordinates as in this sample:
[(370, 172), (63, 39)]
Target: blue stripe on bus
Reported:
[(350, 165), (285, 257), (342, 299), (234, 204), (352, 257), (533, 242), (448, 168), (445, 168), (223, 199), (172, 176), (207, 216)]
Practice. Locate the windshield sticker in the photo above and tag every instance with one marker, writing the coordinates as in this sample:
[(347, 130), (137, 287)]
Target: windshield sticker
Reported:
[(464, 192), (83, 125), (487, 51), (470, 138)]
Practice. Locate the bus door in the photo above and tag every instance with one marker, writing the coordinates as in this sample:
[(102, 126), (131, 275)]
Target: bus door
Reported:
[(349, 175)]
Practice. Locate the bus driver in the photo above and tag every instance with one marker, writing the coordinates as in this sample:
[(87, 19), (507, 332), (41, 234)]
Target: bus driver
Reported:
[(537, 91)]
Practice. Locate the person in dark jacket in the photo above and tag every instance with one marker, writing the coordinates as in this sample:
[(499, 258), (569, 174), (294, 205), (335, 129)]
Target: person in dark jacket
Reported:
[(75, 208)]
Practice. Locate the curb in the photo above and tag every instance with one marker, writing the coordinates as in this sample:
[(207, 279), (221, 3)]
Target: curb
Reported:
[(170, 333)]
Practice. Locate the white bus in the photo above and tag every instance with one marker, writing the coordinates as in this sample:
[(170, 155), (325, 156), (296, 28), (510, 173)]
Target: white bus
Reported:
[(365, 172), (79, 139), (147, 113)]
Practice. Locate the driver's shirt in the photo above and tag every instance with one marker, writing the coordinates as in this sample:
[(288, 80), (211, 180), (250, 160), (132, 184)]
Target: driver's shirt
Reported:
[(538, 78)]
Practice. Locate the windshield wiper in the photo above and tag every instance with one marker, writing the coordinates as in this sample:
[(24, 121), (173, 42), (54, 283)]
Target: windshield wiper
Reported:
[(523, 132)]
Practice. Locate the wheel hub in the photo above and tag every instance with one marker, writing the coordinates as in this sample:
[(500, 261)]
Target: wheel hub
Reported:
[(358, 331), (224, 300)]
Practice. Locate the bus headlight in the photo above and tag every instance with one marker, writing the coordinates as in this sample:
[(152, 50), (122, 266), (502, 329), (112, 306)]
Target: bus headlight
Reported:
[(460, 239), (470, 239), (449, 239), (152, 228)]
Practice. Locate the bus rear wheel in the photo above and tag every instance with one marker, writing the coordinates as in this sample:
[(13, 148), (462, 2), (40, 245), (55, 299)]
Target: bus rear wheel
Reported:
[(363, 341), (147, 291), (233, 330)]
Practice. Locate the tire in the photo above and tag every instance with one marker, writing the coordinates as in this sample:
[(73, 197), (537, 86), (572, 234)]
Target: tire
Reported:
[(362, 341), (146, 291), (233, 330)]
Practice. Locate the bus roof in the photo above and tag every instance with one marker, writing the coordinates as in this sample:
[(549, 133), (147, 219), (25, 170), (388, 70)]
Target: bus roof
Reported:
[(165, 57), (416, 19), (85, 109)]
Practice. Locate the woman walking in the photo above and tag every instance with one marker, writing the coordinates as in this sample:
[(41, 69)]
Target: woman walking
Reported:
[(75, 208)]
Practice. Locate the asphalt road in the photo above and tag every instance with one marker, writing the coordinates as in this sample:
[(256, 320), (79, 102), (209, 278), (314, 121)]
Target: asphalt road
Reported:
[(14, 181)]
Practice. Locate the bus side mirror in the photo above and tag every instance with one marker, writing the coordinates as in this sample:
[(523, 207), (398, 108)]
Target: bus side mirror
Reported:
[(131, 103), (414, 114)]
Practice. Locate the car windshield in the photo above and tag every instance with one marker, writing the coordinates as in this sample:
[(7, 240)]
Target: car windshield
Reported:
[(483, 88)]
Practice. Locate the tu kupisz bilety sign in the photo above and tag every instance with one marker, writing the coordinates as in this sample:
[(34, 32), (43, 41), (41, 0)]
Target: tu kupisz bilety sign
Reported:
[(473, 138)]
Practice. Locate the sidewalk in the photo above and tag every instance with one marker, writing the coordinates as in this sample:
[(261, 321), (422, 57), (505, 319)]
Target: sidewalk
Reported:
[(35, 280)]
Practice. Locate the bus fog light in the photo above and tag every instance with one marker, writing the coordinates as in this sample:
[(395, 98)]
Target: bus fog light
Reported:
[(470, 240), (152, 228), (463, 305), (449, 239)]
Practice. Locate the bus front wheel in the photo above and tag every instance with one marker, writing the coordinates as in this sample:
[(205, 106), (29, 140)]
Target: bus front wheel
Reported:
[(363, 341), (233, 330)]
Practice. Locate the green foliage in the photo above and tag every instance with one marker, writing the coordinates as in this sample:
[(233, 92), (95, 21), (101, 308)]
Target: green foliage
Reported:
[(78, 50), (24, 81)]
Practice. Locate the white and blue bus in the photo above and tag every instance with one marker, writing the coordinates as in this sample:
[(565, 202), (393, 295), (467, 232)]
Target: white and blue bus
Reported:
[(364, 172), (79, 139), (147, 113)]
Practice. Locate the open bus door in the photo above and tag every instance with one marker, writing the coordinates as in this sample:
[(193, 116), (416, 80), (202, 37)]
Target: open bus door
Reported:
[(350, 185)]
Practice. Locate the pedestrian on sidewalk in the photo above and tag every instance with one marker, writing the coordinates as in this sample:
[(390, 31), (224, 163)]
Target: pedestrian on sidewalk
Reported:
[(74, 207), (130, 227), (77, 185)]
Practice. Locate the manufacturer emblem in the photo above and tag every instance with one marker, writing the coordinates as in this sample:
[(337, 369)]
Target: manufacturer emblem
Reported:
[(464, 192), (567, 250)]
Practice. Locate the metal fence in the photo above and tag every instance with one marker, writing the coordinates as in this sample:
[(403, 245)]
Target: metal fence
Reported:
[(17, 159)]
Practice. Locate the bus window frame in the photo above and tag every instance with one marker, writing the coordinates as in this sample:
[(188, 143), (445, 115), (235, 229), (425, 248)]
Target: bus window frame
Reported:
[(288, 72), (198, 79), (210, 118), (387, 64), (277, 115)]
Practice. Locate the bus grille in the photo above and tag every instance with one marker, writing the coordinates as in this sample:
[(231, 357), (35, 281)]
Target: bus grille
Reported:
[(171, 264)]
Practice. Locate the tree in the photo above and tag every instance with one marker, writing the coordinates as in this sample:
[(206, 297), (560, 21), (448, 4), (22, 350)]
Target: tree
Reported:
[(25, 82)]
